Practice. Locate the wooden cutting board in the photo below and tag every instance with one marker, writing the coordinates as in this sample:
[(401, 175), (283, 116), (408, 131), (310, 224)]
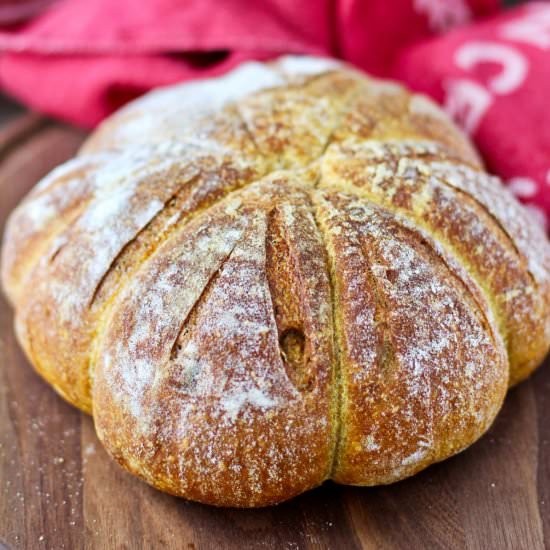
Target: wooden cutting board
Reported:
[(58, 488)]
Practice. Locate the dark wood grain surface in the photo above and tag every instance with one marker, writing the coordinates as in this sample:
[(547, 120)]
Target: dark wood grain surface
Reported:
[(58, 488)]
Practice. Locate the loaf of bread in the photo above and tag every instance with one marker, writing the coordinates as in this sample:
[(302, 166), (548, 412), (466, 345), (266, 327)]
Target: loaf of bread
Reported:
[(288, 274)]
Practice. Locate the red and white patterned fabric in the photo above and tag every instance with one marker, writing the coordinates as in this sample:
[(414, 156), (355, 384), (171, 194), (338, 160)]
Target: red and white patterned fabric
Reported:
[(490, 68), (493, 77)]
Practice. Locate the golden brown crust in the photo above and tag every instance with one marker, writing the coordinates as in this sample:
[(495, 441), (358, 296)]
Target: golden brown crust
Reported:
[(290, 274), (236, 427), (406, 324), (468, 213)]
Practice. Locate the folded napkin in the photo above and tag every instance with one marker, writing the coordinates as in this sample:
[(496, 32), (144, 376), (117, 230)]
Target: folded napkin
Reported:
[(79, 60)]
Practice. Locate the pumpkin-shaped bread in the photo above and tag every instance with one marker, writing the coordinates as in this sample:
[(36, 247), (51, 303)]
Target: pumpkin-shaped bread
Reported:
[(288, 274)]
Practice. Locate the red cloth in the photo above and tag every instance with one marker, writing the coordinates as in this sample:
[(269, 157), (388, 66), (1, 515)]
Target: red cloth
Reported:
[(81, 59), (494, 78)]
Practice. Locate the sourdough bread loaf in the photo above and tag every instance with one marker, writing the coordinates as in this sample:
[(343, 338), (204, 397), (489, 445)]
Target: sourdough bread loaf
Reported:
[(288, 274)]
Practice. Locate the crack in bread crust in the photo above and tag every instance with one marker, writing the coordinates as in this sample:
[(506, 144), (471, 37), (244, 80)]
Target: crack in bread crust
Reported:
[(337, 339)]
